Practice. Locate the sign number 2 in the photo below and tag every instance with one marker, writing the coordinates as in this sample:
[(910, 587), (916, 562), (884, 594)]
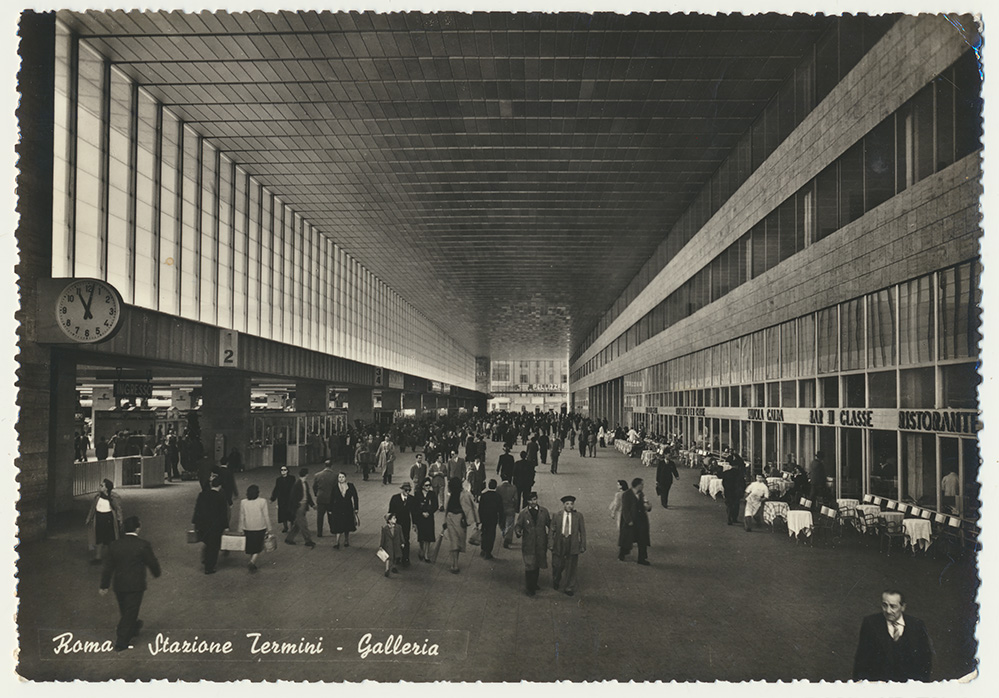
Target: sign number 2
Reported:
[(228, 348)]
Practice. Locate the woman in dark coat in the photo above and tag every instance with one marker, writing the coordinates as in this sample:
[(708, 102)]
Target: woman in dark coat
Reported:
[(104, 520), (281, 494), (344, 507), (426, 507)]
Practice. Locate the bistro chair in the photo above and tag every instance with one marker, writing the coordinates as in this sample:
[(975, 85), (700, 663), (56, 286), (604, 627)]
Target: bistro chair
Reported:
[(948, 530), (805, 503), (890, 531), (868, 499), (826, 524)]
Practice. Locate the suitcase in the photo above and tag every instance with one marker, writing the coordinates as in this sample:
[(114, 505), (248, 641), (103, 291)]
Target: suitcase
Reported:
[(233, 541), (193, 537)]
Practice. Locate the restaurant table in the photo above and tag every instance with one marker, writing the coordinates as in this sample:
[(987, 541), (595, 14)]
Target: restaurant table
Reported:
[(774, 510), (647, 457), (705, 479), (863, 511), (716, 487), (848, 505), (896, 516), (799, 521), (917, 533)]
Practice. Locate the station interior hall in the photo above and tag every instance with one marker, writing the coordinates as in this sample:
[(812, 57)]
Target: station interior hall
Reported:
[(258, 238)]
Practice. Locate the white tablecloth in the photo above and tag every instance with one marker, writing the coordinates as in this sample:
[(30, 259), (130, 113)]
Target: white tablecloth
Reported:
[(774, 510), (705, 479), (799, 521), (715, 487), (917, 533), (893, 516), (848, 507)]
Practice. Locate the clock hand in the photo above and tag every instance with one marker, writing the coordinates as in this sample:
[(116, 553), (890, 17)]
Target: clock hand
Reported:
[(87, 315)]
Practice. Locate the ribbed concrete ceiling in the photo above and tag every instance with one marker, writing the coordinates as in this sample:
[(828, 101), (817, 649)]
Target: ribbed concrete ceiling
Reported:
[(506, 173)]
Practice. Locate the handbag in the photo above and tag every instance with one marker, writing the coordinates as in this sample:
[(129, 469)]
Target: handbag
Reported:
[(437, 547), (475, 537), (193, 536), (270, 543)]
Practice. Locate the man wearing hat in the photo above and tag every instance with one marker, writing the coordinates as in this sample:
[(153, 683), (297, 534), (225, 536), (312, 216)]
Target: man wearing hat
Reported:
[(568, 541), (402, 505), (533, 525)]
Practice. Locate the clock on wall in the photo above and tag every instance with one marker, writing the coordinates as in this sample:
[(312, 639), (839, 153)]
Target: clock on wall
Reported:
[(88, 311)]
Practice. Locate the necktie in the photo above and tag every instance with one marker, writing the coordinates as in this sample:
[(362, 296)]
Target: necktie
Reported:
[(567, 525), (896, 631)]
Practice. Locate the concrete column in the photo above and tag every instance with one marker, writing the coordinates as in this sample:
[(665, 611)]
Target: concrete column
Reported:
[(225, 410), (62, 420), (35, 398), (391, 400), (360, 405), (311, 396), (413, 401)]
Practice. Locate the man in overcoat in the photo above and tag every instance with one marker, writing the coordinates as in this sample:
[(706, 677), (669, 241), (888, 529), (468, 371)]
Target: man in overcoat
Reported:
[(568, 541), (126, 564), (533, 526), (666, 472), (634, 522)]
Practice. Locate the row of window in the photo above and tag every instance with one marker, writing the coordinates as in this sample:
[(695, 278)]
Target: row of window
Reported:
[(531, 372), (145, 202), (830, 59), (938, 126), (928, 328)]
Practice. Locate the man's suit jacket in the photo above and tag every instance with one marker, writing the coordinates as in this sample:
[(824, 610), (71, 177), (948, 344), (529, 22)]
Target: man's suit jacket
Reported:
[(504, 468), (490, 507), (577, 534), (665, 472), (880, 658), (210, 515), (300, 495), (324, 484), (456, 468), (403, 510), (634, 519), (126, 561)]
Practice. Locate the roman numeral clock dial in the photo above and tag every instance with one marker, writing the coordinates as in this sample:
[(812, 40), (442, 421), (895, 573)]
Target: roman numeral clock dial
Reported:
[(88, 311)]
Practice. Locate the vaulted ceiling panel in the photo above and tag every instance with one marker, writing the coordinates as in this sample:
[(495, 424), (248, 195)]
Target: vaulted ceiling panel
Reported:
[(508, 174)]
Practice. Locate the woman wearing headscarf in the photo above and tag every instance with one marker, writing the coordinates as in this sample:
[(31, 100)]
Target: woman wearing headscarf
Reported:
[(460, 510), (426, 507), (104, 520)]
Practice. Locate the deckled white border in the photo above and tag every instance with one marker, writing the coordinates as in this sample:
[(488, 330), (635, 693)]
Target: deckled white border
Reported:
[(986, 685)]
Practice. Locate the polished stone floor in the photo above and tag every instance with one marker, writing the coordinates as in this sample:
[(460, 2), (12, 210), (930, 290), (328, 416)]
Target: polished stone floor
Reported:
[(716, 603)]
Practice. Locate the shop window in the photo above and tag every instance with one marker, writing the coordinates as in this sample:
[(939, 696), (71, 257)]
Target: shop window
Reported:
[(827, 324), (918, 473), (970, 463), (773, 394), (789, 437), (881, 329), (881, 388), (806, 393), (950, 476), (915, 312), (789, 394), (806, 345), (917, 388), (852, 334), (884, 463), (960, 386), (851, 462), (856, 390), (829, 388), (747, 396), (959, 313)]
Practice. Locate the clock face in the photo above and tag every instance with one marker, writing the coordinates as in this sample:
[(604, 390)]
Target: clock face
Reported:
[(88, 311)]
